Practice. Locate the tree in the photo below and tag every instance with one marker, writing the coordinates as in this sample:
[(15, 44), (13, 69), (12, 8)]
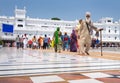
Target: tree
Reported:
[(55, 18), (1, 42)]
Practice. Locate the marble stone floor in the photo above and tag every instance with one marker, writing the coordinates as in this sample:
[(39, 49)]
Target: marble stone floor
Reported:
[(37, 66)]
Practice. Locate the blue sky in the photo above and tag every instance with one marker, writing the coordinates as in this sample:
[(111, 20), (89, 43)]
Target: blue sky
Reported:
[(63, 9)]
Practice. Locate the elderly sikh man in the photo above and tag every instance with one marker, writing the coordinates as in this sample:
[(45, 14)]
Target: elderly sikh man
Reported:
[(84, 33)]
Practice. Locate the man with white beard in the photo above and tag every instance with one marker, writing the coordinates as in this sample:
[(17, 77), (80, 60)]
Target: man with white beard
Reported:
[(85, 33)]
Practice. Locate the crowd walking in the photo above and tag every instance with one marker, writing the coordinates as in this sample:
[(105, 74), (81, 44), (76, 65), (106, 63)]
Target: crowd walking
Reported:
[(79, 40)]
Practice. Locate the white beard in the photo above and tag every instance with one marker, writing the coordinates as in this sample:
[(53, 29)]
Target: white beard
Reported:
[(88, 20)]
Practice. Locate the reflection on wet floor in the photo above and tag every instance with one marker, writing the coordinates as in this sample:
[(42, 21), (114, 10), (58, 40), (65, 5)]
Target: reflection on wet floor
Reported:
[(17, 62)]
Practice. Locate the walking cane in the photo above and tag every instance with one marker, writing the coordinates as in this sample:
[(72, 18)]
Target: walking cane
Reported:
[(101, 41)]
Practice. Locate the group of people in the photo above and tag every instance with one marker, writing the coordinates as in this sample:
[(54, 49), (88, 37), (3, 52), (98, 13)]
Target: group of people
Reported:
[(65, 42), (21, 42), (79, 41), (34, 43), (80, 37)]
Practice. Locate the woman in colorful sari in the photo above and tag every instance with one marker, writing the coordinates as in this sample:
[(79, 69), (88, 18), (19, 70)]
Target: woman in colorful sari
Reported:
[(57, 40), (73, 42)]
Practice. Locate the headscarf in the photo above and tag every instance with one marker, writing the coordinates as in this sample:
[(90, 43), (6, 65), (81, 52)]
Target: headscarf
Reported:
[(87, 15), (56, 34), (73, 35), (73, 31)]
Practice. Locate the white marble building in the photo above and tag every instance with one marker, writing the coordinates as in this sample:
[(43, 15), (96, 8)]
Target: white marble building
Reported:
[(35, 26), (39, 27), (111, 32)]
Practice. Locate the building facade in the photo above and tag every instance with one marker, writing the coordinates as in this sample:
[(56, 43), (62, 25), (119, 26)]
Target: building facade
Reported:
[(111, 32), (35, 26), (39, 27)]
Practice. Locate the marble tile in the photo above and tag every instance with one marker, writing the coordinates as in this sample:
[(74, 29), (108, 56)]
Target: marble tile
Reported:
[(112, 72), (97, 75), (15, 80), (26, 62), (71, 76), (41, 79), (118, 76), (85, 81), (109, 80)]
